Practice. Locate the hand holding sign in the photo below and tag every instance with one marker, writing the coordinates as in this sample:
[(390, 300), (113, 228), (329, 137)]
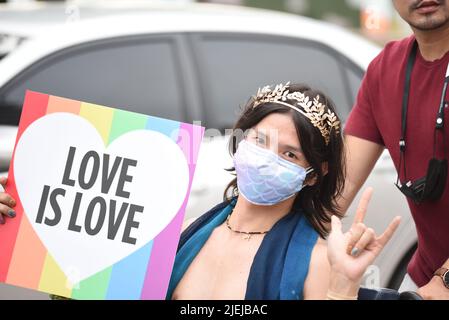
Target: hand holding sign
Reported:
[(7, 203), (351, 253)]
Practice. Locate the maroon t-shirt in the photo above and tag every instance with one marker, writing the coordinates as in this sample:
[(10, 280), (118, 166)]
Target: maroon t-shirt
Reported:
[(376, 117)]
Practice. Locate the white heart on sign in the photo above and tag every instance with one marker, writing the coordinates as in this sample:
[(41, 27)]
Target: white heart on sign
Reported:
[(160, 183)]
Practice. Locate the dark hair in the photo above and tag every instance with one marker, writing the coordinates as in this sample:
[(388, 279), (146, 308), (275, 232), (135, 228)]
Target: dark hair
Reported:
[(318, 202)]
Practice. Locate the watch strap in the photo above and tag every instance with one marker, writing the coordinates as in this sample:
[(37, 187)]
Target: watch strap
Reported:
[(442, 272)]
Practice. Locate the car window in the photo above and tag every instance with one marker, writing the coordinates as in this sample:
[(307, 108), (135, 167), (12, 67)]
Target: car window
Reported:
[(139, 76), (232, 67)]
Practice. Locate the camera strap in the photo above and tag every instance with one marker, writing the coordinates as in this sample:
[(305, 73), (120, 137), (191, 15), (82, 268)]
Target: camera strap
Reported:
[(405, 98)]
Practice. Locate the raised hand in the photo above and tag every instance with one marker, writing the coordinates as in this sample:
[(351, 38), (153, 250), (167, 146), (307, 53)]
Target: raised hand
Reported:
[(351, 253), (7, 203)]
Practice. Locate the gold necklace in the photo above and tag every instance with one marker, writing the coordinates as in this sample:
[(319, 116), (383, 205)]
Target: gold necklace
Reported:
[(248, 234)]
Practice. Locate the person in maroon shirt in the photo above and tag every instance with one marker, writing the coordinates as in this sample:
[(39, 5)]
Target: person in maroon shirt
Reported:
[(375, 124)]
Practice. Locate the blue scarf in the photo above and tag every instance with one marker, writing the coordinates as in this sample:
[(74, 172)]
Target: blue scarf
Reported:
[(280, 266)]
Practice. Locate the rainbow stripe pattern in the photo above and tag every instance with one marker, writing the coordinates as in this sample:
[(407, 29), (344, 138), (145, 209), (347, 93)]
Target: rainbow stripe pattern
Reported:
[(145, 274)]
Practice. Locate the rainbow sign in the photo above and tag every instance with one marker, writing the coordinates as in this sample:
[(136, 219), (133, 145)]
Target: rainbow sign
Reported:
[(101, 195)]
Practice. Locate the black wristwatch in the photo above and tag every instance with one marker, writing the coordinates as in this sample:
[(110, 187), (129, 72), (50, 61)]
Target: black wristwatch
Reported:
[(443, 273)]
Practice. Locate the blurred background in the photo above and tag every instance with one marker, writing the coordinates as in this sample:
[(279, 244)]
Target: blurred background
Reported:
[(200, 61), (376, 19)]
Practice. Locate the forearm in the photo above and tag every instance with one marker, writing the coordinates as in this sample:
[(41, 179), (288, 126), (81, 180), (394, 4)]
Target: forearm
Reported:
[(361, 157), (436, 289), (348, 195)]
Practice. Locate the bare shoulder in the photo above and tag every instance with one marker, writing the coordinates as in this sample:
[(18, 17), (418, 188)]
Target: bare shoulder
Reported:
[(187, 223), (317, 281)]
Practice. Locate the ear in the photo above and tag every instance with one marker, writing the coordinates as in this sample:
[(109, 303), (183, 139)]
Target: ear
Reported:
[(310, 181)]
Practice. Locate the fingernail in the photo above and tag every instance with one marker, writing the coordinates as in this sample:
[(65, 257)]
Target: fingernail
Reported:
[(355, 252), (11, 213), (12, 203)]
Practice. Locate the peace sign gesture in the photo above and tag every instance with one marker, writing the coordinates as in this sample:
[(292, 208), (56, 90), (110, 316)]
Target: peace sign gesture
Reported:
[(351, 253)]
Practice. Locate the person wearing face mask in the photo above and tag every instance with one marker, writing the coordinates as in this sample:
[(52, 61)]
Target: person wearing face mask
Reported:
[(266, 240)]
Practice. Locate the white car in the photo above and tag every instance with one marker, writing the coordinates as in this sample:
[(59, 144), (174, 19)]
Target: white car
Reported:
[(22, 20), (202, 62)]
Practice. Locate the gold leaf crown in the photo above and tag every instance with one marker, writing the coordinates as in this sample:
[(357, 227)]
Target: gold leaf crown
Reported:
[(319, 115)]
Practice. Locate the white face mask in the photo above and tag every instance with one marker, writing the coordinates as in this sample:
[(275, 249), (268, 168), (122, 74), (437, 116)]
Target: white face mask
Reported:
[(264, 178)]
